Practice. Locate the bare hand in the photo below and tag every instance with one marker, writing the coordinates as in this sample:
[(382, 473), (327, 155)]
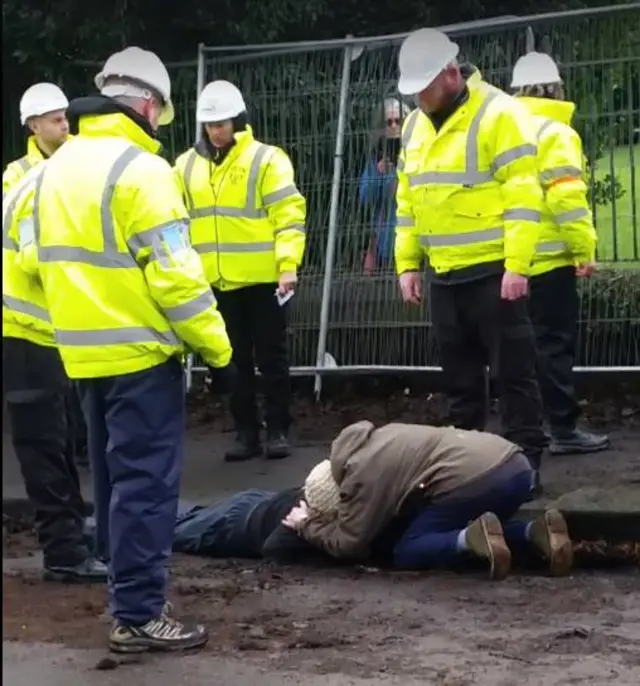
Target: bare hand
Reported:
[(287, 282), (385, 166), (586, 269), (514, 286), (296, 516), (411, 287)]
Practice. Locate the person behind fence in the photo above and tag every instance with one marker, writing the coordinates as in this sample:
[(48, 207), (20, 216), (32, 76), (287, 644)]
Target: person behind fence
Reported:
[(43, 109), (378, 182), (248, 224), (112, 237), (565, 249), (469, 201), (36, 389), (457, 489)]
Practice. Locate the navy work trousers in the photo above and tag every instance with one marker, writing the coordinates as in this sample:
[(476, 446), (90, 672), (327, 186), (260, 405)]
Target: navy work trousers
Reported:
[(431, 538), (136, 427)]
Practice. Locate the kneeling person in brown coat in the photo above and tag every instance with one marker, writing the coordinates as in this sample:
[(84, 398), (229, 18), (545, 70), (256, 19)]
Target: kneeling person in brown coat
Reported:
[(457, 490)]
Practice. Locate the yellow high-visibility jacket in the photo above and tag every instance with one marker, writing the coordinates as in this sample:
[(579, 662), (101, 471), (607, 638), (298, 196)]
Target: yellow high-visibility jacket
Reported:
[(24, 308), (18, 168), (122, 284), (469, 193), (247, 215), (567, 235)]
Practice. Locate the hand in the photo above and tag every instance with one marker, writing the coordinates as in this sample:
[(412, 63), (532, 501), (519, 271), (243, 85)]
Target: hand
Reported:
[(586, 269), (514, 286), (296, 516), (411, 287), (287, 282), (385, 166), (223, 379), (369, 265)]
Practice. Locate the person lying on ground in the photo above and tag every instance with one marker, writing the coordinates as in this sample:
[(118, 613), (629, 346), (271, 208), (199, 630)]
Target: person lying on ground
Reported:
[(459, 489)]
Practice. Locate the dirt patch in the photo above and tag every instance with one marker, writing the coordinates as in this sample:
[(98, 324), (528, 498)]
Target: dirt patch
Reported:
[(362, 622)]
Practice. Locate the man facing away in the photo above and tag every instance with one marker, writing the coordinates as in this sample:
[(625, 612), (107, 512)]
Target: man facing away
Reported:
[(112, 236), (469, 202), (565, 249)]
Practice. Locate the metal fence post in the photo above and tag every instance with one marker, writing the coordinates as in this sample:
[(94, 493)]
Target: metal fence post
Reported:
[(200, 82), (333, 217)]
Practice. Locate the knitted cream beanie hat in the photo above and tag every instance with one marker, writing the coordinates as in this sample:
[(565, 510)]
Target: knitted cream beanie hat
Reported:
[(321, 491)]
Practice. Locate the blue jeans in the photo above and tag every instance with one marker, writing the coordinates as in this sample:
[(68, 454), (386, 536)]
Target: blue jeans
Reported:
[(219, 530), (135, 431), (432, 537)]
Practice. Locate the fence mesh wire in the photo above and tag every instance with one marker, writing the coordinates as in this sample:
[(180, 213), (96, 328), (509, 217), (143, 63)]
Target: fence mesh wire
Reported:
[(293, 98)]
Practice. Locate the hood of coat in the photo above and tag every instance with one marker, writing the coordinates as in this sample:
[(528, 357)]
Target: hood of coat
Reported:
[(349, 441)]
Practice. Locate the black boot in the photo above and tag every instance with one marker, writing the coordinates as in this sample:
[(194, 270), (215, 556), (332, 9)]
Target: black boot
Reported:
[(247, 446), (90, 571), (277, 446), (576, 441)]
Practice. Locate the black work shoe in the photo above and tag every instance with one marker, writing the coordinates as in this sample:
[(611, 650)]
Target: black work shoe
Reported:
[(161, 634), (246, 447), (91, 571), (549, 534), (277, 446), (485, 539), (577, 442)]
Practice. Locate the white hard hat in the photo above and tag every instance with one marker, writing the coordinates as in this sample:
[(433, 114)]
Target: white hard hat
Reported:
[(41, 98), (141, 66), (535, 68), (423, 55), (219, 101)]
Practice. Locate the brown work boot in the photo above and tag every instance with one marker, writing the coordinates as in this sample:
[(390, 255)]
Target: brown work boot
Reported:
[(485, 539), (550, 536)]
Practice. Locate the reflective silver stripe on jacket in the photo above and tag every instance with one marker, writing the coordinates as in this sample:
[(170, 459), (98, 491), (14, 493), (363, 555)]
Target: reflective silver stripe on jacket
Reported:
[(9, 243), (121, 336), (551, 246), (545, 125), (457, 239), (571, 215), (560, 173), (249, 210), (255, 246), (24, 163), (24, 307)]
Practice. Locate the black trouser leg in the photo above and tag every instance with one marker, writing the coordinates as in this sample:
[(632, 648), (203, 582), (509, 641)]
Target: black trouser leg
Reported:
[(554, 307), (461, 355), (35, 391), (506, 331), (236, 309), (269, 324)]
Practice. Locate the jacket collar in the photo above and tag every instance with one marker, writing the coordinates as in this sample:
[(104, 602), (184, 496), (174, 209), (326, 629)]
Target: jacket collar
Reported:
[(559, 110)]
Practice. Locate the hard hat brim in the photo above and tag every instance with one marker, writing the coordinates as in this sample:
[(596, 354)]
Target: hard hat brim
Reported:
[(204, 118), (167, 115), (411, 85)]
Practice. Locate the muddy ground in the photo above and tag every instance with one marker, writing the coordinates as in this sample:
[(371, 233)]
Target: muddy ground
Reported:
[(441, 628)]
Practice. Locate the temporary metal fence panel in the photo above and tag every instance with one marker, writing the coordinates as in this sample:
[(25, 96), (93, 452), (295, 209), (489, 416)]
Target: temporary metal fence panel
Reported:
[(316, 99)]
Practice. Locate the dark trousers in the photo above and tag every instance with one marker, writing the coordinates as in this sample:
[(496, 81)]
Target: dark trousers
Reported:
[(431, 540), (257, 328), (36, 390), (136, 427), (554, 307), (474, 328)]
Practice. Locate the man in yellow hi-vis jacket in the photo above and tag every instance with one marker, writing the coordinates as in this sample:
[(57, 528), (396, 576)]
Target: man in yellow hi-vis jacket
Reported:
[(248, 224), (36, 389), (469, 200), (123, 288), (43, 110), (566, 248)]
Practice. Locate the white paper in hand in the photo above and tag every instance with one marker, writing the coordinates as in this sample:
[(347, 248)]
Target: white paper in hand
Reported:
[(283, 299)]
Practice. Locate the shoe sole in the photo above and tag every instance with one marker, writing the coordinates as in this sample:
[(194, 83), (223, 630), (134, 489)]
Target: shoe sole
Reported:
[(550, 536), (577, 450), (486, 540), (151, 646), (244, 458), (277, 454)]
